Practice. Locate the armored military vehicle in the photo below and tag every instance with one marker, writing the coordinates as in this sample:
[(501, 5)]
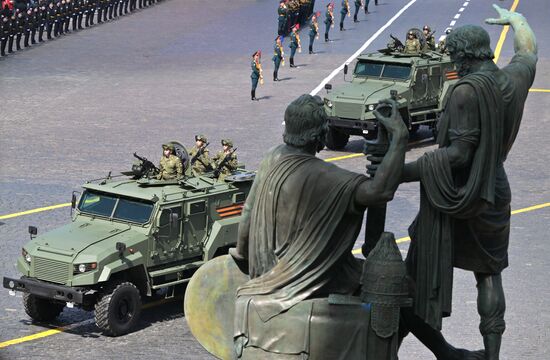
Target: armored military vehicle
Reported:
[(128, 238), (423, 82)]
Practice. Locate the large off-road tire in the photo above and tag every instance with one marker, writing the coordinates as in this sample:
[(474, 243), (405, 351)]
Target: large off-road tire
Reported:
[(41, 309), (118, 309), (336, 140)]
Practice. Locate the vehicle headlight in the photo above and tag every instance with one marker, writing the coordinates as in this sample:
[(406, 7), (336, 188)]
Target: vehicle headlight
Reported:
[(26, 256), (370, 107), (328, 103), (82, 268)]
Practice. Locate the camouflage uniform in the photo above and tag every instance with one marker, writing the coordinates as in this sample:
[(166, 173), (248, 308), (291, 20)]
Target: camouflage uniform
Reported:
[(230, 165), (170, 167), (412, 46), (203, 162)]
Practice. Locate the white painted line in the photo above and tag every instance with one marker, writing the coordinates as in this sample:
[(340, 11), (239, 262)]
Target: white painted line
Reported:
[(461, 9), (465, 4), (452, 23), (457, 16), (361, 49)]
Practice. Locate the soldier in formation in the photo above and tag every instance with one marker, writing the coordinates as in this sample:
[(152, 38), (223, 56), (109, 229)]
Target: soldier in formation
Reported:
[(329, 20), (282, 11), (412, 45), (313, 32), (170, 167), (293, 12), (200, 156), (256, 75), (56, 18), (344, 11), (358, 4), (294, 44), (278, 57), (225, 161)]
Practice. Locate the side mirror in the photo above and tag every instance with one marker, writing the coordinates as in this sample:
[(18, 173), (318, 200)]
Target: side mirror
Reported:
[(73, 201), (33, 230), (346, 69)]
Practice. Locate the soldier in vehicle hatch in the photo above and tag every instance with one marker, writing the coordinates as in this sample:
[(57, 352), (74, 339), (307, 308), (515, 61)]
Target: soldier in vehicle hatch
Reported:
[(412, 45), (430, 41), (200, 157), (170, 165), (225, 161)]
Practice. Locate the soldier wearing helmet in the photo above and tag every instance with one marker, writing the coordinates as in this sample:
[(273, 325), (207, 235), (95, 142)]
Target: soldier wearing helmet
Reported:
[(200, 157), (225, 160), (412, 45), (442, 46), (170, 167), (429, 35)]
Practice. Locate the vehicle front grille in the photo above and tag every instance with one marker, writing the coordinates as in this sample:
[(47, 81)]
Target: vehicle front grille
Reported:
[(348, 111), (51, 270)]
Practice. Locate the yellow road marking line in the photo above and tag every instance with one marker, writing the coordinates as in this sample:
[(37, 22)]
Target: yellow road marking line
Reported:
[(344, 157), (503, 34), (539, 90), (518, 211), (61, 329), (9, 216)]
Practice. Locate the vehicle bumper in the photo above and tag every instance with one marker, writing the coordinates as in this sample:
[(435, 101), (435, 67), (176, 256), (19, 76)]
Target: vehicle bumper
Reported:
[(46, 290), (351, 126)]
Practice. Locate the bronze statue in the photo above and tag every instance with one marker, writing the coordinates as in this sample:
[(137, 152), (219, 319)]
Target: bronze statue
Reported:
[(464, 217)]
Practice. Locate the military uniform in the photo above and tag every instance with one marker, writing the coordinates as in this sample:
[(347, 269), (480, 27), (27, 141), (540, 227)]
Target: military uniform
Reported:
[(20, 29), (278, 57), (329, 20), (412, 46), (255, 76), (228, 166), (343, 12), (203, 163), (357, 7), (294, 44), (282, 11), (28, 26), (313, 31), (170, 167), (4, 34)]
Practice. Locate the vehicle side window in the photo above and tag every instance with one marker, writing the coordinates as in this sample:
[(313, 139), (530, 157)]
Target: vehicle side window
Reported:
[(165, 230)]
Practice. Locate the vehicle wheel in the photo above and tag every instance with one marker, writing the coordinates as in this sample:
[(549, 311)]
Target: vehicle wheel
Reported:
[(41, 309), (336, 140), (118, 309)]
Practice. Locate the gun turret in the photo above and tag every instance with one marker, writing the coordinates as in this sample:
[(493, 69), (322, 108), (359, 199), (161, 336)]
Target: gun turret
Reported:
[(143, 168)]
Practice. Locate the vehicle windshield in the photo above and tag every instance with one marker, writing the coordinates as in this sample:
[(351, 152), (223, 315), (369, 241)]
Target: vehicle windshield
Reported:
[(374, 69), (115, 207)]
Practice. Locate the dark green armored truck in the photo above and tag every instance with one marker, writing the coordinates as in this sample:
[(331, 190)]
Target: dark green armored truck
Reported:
[(127, 239), (422, 81)]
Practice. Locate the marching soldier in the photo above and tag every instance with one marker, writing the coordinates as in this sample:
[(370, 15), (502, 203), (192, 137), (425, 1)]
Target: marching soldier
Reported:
[(76, 12), (282, 11), (343, 12), (430, 41), (278, 57), (90, 12), (313, 32), (358, 4), (412, 45), (367, 6), (58, 29), (257, 74), (170, 165), (52, 21), (13, 31), (200, 156), (68, 15), (329, 19), (225, 160), (43, 18), (294, 44)]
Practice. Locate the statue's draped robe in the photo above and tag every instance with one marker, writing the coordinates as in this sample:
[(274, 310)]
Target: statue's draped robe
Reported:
[(464, 217), (303, 225)]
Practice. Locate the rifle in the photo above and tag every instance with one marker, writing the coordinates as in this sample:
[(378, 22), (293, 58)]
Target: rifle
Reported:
[(222, 163), (199, 153)]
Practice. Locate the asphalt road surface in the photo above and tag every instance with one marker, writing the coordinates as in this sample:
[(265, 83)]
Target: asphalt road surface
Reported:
[(77, 107)]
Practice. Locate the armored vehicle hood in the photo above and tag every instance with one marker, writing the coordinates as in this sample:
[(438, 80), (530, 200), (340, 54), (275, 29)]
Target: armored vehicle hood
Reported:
[(72, 239), (367, 92)]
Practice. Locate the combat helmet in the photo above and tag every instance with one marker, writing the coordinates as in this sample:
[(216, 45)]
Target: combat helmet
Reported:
[(227, 142), (169, 146), (201, 137)]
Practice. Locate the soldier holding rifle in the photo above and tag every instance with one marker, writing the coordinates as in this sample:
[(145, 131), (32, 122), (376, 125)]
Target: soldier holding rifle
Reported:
[(200, 156)]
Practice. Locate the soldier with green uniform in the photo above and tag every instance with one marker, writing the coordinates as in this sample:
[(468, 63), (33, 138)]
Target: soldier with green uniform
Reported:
[(343, 12), (278, 57), (294, 44), (329, 20), (358, 4), (283, 13), (430, 41), (412, 45), (226, 160), (201, 163), (170, 167)]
